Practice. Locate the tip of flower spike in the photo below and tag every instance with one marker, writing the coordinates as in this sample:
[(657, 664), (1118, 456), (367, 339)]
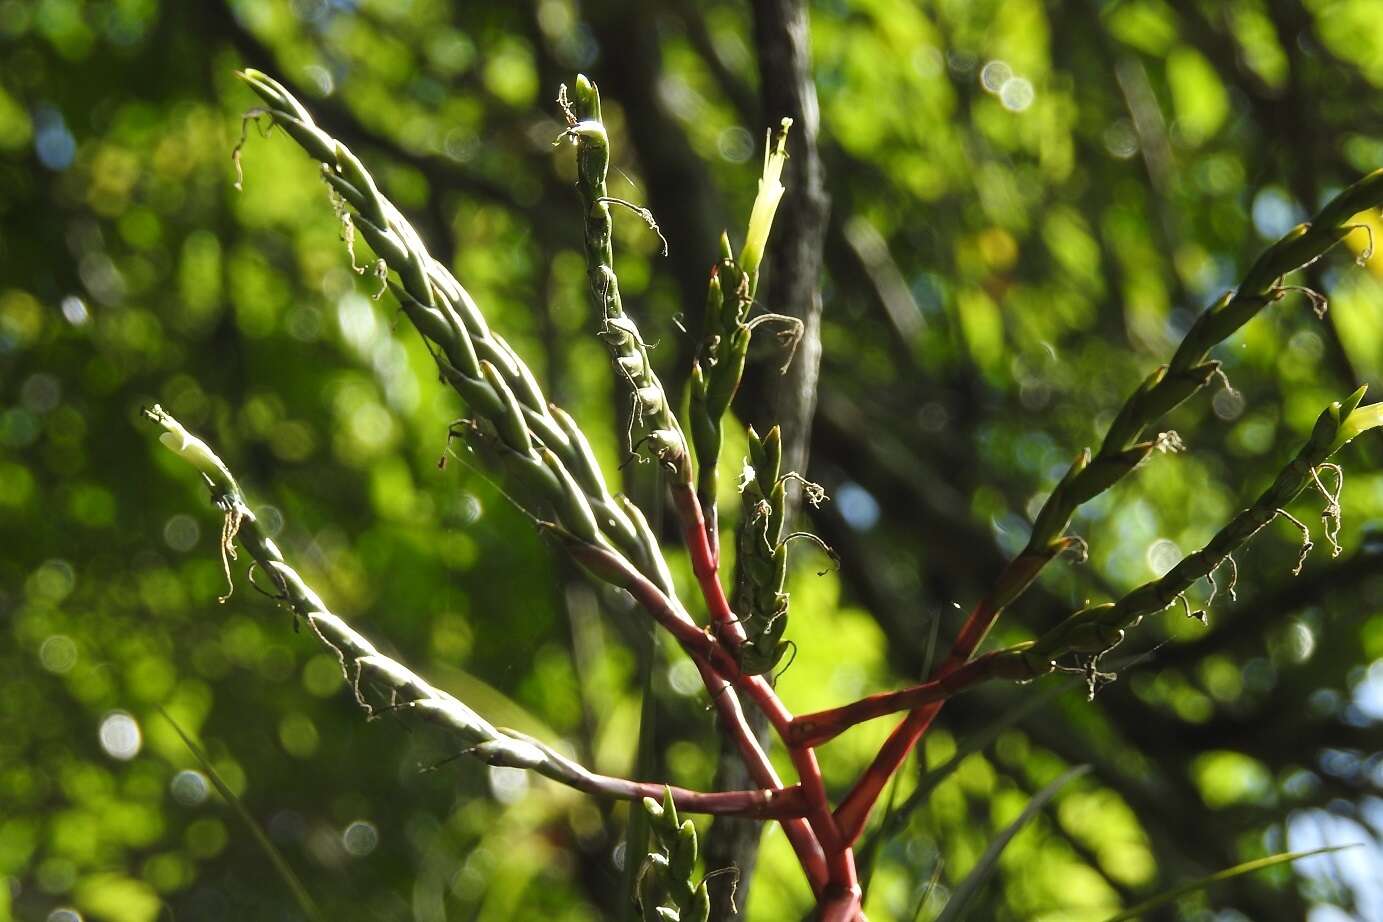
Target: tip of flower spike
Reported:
[(1351, 403), (274, 93), (260, 81), (586, 98), (1356, 420)]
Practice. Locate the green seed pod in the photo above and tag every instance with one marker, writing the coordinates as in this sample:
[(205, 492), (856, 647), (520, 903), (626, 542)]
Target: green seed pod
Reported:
[(429, 321), (274, 93), (653, 887), (1054, 641), (413, 270), (671, 821), (1276, 261), (586, 98), (1298, 250), (1106, 470), (726, 375), (715, 300), (777, 504), (1132, 418), (1017, 664), (1056, 512), (481, 397), (385, 244), (756, 450), (771, 469), (1176, 387), (352, 196), (761, 656), (1093, 638)]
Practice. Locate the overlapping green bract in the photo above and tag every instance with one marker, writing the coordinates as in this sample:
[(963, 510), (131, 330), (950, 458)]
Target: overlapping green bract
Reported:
[(364, 666), (667, 891), (653, 424), (715, 374), (537, 443), (1187, 372), (761, 563), (1095, 630)]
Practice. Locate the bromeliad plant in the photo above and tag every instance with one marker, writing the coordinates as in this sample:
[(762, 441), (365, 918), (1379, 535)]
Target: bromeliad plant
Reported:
[(551, 472)]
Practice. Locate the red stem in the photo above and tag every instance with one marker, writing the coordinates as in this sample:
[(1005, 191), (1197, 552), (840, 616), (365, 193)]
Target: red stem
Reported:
[(799, 832), (820, 726), (1017, 576), (704, 560), (854, 810), (840, 860), (719, 672)]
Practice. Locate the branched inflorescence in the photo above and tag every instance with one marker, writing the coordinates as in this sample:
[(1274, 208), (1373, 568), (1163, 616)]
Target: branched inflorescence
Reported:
[(553, 476), (382, 684), (652, 424), (1164, 389)]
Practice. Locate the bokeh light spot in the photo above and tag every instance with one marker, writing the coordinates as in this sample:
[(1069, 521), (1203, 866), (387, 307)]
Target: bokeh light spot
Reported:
[(120, 736), (360, 838)]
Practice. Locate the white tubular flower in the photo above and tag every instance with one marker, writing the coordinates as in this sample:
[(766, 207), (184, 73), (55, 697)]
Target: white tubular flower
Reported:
[(771, 191)]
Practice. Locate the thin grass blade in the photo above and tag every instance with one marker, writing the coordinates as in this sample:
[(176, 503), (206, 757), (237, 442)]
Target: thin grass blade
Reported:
[(290, 879), (984, 868), (1248, 867), (927, 891)]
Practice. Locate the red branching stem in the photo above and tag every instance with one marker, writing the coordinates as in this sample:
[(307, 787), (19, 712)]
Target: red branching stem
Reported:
[(720, 673), (799, 832), (854, 809), (839, 859), (704, 560), (1017, 576), (819, 814), (841, 905), (819, 727)]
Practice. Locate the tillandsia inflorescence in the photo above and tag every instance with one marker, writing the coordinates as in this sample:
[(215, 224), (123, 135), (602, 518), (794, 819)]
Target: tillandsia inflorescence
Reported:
[(552, 474), (667, 891), (719, 362), (761, 565)]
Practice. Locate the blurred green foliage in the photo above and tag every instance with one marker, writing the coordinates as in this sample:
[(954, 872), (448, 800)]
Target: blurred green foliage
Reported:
[(1030, 203)]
